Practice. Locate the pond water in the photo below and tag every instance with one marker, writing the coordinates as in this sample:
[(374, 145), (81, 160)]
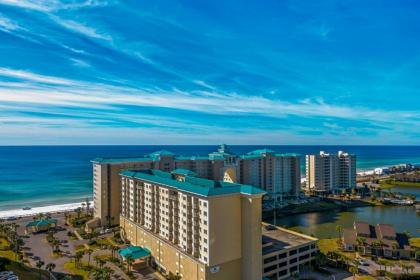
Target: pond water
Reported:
[(323, 224)]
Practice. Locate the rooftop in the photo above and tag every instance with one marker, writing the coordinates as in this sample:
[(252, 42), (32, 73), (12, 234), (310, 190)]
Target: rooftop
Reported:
[(198, 186), (184, 172), (221, 154), (135, 252), (42, 222), (371, 234), (277, 238)]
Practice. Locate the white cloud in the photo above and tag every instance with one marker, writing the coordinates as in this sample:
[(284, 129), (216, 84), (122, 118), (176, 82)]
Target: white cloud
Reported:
[(52, 5), (79, 63), (81, 28), (29, 76), (8, 25)]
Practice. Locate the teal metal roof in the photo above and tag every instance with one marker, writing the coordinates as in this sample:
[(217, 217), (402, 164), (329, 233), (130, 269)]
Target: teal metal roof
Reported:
[(288, 155), (184, 172), (136, 252), (120, 160), (38, 223), (192, 157), (161, 153), (260, 151), (197, 186)]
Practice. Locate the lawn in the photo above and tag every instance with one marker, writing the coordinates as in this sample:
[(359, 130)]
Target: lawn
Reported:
[(365, 277), (83, 271), (415, 242), (330, 245), (4, 251), (389, 183)]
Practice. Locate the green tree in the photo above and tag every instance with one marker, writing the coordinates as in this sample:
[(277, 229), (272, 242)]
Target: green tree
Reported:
[(172, 276), (129, 260), (89, 253), (354, 270), (78, 257), (50, 267), (39, 265)]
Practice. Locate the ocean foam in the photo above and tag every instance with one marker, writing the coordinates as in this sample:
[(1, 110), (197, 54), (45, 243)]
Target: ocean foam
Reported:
[(42, 209)]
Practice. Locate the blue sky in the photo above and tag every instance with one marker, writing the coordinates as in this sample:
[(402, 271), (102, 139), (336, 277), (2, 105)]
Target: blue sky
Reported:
[(207, 72)]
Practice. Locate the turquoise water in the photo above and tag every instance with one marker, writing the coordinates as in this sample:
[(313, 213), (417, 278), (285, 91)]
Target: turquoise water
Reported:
[(323, 224), (49, 175)]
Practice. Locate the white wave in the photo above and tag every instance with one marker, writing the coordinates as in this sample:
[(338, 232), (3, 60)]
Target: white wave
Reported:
[(42, 209)]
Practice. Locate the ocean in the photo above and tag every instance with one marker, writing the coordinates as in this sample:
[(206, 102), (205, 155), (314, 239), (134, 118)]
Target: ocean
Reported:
[(38, 176)]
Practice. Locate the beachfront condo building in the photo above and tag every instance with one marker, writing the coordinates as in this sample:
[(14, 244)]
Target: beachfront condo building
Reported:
[(198, 228), (278, 174), (330, 172)]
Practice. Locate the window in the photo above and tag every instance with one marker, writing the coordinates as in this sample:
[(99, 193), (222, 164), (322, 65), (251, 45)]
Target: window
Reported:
[(270, 268), (270, 259), (282, 256), (303, 249)]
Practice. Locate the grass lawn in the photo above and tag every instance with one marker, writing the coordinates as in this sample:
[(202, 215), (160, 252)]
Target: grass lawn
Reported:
[(415, 242), (4, 252), (82, 271), (330, 245), (389, 183), (365, 277), (25, 272)]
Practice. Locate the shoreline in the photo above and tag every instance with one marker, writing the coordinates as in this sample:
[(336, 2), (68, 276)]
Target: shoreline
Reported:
[(60, 208)]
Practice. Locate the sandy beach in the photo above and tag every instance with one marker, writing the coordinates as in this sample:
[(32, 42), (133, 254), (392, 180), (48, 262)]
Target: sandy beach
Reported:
[(42, 209)]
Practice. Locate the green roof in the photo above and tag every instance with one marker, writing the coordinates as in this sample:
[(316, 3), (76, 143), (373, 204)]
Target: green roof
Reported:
[(212, 156), (260, 151), (192, 157), (38, 223), (184, 172), (161, 153), (194, 185), (135, 252), (121, 160)]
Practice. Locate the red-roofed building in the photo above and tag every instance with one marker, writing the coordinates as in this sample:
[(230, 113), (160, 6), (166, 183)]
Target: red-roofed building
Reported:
[(380, 240)]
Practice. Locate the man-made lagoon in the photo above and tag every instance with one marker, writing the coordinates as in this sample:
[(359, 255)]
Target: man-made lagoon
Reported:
[(323, 224)]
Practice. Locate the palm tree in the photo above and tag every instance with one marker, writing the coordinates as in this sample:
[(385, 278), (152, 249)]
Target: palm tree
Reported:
[(50, 267), (78, 212), (411, 267), (113, 250), (78, 257), (129, 260), (56, 245), (339, 229), (353, 270), (96, 258), (39, 265), (89, 253)]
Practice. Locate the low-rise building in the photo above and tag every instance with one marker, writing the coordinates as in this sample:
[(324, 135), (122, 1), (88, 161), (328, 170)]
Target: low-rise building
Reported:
[(380, 240), (285, 252)]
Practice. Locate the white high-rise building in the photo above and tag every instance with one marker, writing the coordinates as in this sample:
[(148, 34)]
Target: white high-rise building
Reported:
[(330, 172)]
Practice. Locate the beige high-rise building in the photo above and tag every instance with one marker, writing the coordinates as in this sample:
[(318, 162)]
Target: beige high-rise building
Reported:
[(278, 174), (199, 228), (329, 173)]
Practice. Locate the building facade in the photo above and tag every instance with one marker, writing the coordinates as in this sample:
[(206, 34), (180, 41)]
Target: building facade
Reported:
[(278, 174), (199, 228), (330, 173)]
